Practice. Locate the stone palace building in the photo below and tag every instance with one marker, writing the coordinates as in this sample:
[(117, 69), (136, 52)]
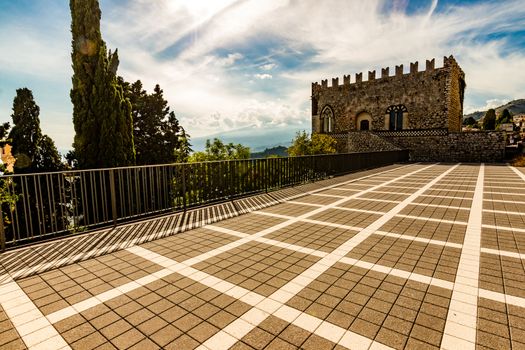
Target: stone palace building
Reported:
[(420, 110)]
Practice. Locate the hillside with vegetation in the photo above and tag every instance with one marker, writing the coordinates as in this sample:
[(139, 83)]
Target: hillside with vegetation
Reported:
[(514, 107)]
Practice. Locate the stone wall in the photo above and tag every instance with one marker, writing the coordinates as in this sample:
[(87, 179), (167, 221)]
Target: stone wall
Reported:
[(364, 141), (473, 147), (433, 98)]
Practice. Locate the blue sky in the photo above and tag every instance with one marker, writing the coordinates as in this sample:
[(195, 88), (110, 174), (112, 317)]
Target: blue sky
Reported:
[(245, 67)]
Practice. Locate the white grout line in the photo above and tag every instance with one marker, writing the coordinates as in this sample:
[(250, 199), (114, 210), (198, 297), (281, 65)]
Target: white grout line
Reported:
[(331, 195), (377, 200), (340, 208), (508, 193), (395, 193), (504, 201), (399, 273), (502, 298), (296, 201), (447, 197), (262, 307), (503, 253), (32, 326), (297, 284), (450, 189), (270, 241), (352, 189), (509, 187), (504, 228), (460, 326), (115, 292), (503, 212), (453, 222), (419, 239), (439, 206), (355, 228)]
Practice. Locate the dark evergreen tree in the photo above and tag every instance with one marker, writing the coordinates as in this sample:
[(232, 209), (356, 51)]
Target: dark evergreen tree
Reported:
[(48, 157), (504, 117), (470, 121), (183, 150), (489, 120), (33, 151), (101, 114), (158, 136), (25, 134)]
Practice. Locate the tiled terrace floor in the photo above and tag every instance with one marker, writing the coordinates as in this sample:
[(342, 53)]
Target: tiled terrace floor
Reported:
[(421, 256)]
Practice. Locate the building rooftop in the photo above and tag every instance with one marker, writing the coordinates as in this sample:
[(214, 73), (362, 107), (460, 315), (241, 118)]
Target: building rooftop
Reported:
[(420, 256)]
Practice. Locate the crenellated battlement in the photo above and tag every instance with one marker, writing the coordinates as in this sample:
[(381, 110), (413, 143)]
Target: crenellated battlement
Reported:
[(385, 73)]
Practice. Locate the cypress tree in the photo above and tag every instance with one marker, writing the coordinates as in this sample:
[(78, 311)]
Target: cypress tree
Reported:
[(25, 134), (33, 151), (489, 120), (101, 113)]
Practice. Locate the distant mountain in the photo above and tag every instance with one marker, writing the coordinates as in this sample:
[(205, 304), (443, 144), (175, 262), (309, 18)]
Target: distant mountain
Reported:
[(515, 107), (258, 139), (280, 151)]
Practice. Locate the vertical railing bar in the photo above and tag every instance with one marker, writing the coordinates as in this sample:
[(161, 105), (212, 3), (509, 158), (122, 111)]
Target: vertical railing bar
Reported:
[(2, 231), (29, 222), (103, 191), (113, 196), (93, 196), (62, 199), (51, 202), (183, 170)]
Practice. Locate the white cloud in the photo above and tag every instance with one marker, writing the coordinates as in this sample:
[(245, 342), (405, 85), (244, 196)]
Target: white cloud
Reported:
[(207, 85), (268, 66), (492, 103), (207, 55), (263, 76), (229, 60)]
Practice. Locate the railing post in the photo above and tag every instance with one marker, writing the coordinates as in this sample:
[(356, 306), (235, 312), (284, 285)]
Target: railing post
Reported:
[(183, 166), (113, 196), (2, 231), (265, 172)]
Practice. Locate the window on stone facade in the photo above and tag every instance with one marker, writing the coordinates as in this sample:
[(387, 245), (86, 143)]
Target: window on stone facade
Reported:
[(365, 125), (395, 114), (327, 120)]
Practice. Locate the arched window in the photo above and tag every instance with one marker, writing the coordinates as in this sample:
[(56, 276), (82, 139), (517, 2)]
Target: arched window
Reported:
[(363, 121), (395, 115), (327, 120)]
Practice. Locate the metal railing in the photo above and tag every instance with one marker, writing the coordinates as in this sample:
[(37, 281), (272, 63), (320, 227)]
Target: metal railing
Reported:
[(57, 203)]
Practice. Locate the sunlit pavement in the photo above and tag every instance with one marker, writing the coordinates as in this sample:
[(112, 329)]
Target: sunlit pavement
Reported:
[(414, 256)]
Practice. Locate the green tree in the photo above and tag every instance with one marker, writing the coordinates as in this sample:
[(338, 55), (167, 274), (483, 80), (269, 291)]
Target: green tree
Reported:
[(489, 120), (25, 134), (303, 145), (218, 150), (48, 157), (183, 150), (504, 117), (33, 151), (470, 121), (101, 114), (157, 132)]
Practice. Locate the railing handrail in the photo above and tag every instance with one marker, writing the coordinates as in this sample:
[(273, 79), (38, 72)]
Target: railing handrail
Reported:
[(75, 170), (43, 205)]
